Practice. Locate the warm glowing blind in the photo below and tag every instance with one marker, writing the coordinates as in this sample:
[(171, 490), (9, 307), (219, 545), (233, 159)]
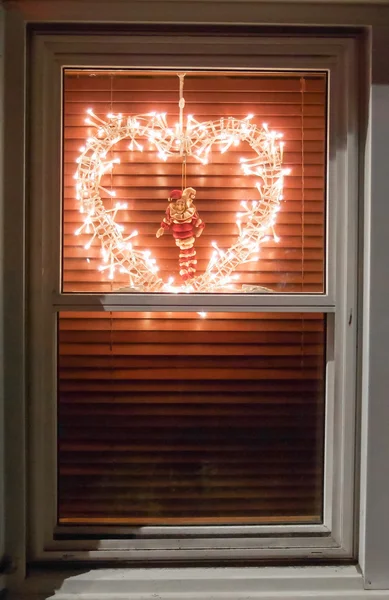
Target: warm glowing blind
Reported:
[(169, 418), (292, 103)]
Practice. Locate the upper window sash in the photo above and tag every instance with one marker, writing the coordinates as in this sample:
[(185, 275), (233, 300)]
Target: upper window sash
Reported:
[(143, 52)]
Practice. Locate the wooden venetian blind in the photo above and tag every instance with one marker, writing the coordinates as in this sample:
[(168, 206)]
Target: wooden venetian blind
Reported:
[(292, 103), (166, 418)]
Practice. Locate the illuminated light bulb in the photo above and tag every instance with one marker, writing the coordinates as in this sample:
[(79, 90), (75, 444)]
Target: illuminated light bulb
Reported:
[(286, 171), (87, 246), (276, 238), (131, 146), (88, 260), (82, 149), (203, 315), (265, 126), (152, 114), (88, 121), (236, 142), (242, 160), (266, 238), (171, 280), (250, 116), (78, 231), (110, 116)]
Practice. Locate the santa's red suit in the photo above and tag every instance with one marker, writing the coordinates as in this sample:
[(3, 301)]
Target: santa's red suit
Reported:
[(185, 226)]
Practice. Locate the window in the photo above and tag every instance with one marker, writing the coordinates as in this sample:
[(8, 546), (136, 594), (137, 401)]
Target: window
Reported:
[(192, 423), (183, 417)]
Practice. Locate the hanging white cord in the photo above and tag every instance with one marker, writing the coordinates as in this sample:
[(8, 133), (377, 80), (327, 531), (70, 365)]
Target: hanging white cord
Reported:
[(181, 105)]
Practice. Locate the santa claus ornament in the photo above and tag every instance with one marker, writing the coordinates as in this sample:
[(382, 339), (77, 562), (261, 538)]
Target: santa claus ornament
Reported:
[(184, 222), (190, 140)]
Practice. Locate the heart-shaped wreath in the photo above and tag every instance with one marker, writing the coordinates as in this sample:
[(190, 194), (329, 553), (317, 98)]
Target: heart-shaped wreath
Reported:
[(254, 223)]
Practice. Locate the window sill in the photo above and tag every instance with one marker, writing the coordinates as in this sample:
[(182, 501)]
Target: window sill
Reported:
[(246, 583)]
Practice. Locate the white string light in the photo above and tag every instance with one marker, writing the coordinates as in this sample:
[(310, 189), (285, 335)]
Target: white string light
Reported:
[(255, 222)]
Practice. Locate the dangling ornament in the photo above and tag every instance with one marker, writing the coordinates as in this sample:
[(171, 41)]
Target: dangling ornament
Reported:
[(183, 220)]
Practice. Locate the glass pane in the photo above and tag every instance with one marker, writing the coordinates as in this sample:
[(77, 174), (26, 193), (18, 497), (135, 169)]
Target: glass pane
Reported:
[(255, 221), (171, 418)]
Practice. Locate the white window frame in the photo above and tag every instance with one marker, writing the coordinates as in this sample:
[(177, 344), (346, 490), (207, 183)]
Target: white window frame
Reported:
[(335, 537), (370, 579)]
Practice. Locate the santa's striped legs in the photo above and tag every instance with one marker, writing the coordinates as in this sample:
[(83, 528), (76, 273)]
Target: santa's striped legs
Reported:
[(188, 263), (187, 258)]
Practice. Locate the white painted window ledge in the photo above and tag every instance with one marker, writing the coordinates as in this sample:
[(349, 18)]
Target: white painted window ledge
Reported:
[(246, 583)]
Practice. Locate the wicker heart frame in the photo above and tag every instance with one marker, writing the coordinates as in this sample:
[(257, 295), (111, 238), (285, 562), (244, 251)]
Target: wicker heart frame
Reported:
[(254, 223)]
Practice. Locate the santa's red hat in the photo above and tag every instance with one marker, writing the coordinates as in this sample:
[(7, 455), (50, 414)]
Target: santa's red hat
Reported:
[(175, 195)]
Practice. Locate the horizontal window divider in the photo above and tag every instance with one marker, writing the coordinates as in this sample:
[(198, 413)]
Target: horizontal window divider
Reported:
[(194, 302)]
